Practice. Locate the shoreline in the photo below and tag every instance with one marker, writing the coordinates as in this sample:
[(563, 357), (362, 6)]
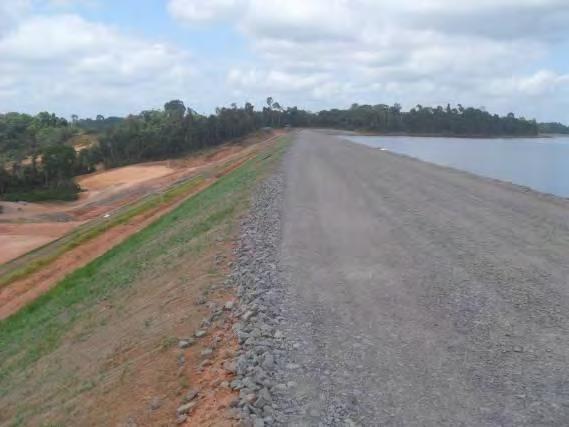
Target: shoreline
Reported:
[(356, 132), (443, 135), (512, 186)]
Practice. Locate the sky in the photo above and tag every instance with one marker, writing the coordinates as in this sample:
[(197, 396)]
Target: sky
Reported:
[(112, 57)]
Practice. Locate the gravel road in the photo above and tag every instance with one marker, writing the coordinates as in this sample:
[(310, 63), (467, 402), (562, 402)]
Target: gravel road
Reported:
[(407, 294)]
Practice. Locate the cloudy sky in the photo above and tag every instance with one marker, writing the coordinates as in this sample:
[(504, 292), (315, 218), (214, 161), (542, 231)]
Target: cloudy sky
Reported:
[(113, 57)]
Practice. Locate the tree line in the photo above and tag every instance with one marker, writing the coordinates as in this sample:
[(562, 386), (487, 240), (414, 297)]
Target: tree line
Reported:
[(37, 160), (553, 128), (442, 121)]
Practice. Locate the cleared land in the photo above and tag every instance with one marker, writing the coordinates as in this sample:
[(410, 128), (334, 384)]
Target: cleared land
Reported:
[(107, 335), (157, 190), (19, 238), (105, 192), (423, 295)]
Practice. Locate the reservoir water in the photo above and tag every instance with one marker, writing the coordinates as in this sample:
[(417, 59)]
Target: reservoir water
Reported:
[(539, 163)]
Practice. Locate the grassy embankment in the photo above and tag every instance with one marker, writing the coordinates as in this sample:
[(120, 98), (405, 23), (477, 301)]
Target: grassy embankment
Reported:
[(39, 373)]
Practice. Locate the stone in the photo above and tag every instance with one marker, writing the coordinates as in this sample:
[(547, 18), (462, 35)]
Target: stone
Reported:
[(247, 315), (206, 362), (155, 403), (200, 333), (185, 343), (250, 383), (268, 361), (250, 398), (206, 352), (263, 399), (181, 359), (186, 408), (229, 305), (190, 395), (314, 413)]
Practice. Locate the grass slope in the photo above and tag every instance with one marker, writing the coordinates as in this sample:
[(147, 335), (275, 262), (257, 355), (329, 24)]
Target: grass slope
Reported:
[(40, 328)]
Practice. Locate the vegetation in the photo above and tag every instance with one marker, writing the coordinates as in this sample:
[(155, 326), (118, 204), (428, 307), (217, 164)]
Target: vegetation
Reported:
[(553, 128), (97, 125), (176, 129), (22, 135), (67, 192), (160, 134), (81, 301), (36, 163), (421, 120)]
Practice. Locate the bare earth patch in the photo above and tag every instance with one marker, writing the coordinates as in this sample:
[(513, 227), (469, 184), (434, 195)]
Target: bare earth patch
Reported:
[(18, 239), (125, 176)]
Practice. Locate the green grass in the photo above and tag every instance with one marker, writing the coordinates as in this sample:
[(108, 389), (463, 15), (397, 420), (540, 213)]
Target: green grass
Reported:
[(39, 328)]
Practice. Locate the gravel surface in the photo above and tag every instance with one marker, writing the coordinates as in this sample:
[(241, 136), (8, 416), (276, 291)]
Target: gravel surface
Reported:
[(380, 290)]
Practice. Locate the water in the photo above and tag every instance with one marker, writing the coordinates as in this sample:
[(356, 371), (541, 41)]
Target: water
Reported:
[(538, 163)]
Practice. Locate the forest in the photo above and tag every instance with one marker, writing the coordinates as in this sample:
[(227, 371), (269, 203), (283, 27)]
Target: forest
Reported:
[(38, 159), (553, 128)]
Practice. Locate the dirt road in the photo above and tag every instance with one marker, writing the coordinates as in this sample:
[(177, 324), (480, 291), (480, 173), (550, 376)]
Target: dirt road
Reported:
[(422, 295)]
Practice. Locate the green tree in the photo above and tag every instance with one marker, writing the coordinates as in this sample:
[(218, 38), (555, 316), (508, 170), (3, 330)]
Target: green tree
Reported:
[(58, 164)]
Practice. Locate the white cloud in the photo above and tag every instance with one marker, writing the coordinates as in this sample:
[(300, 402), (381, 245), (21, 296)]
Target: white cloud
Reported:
[(66, 64), (313, 53), (478, 52), (11, 12), (200, 12), (541, 83)]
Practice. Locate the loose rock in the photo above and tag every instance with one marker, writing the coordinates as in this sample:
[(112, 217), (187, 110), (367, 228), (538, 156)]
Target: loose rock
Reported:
[(185, 343)]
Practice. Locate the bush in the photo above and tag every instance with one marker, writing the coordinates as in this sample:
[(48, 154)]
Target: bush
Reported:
[(66, 193)]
